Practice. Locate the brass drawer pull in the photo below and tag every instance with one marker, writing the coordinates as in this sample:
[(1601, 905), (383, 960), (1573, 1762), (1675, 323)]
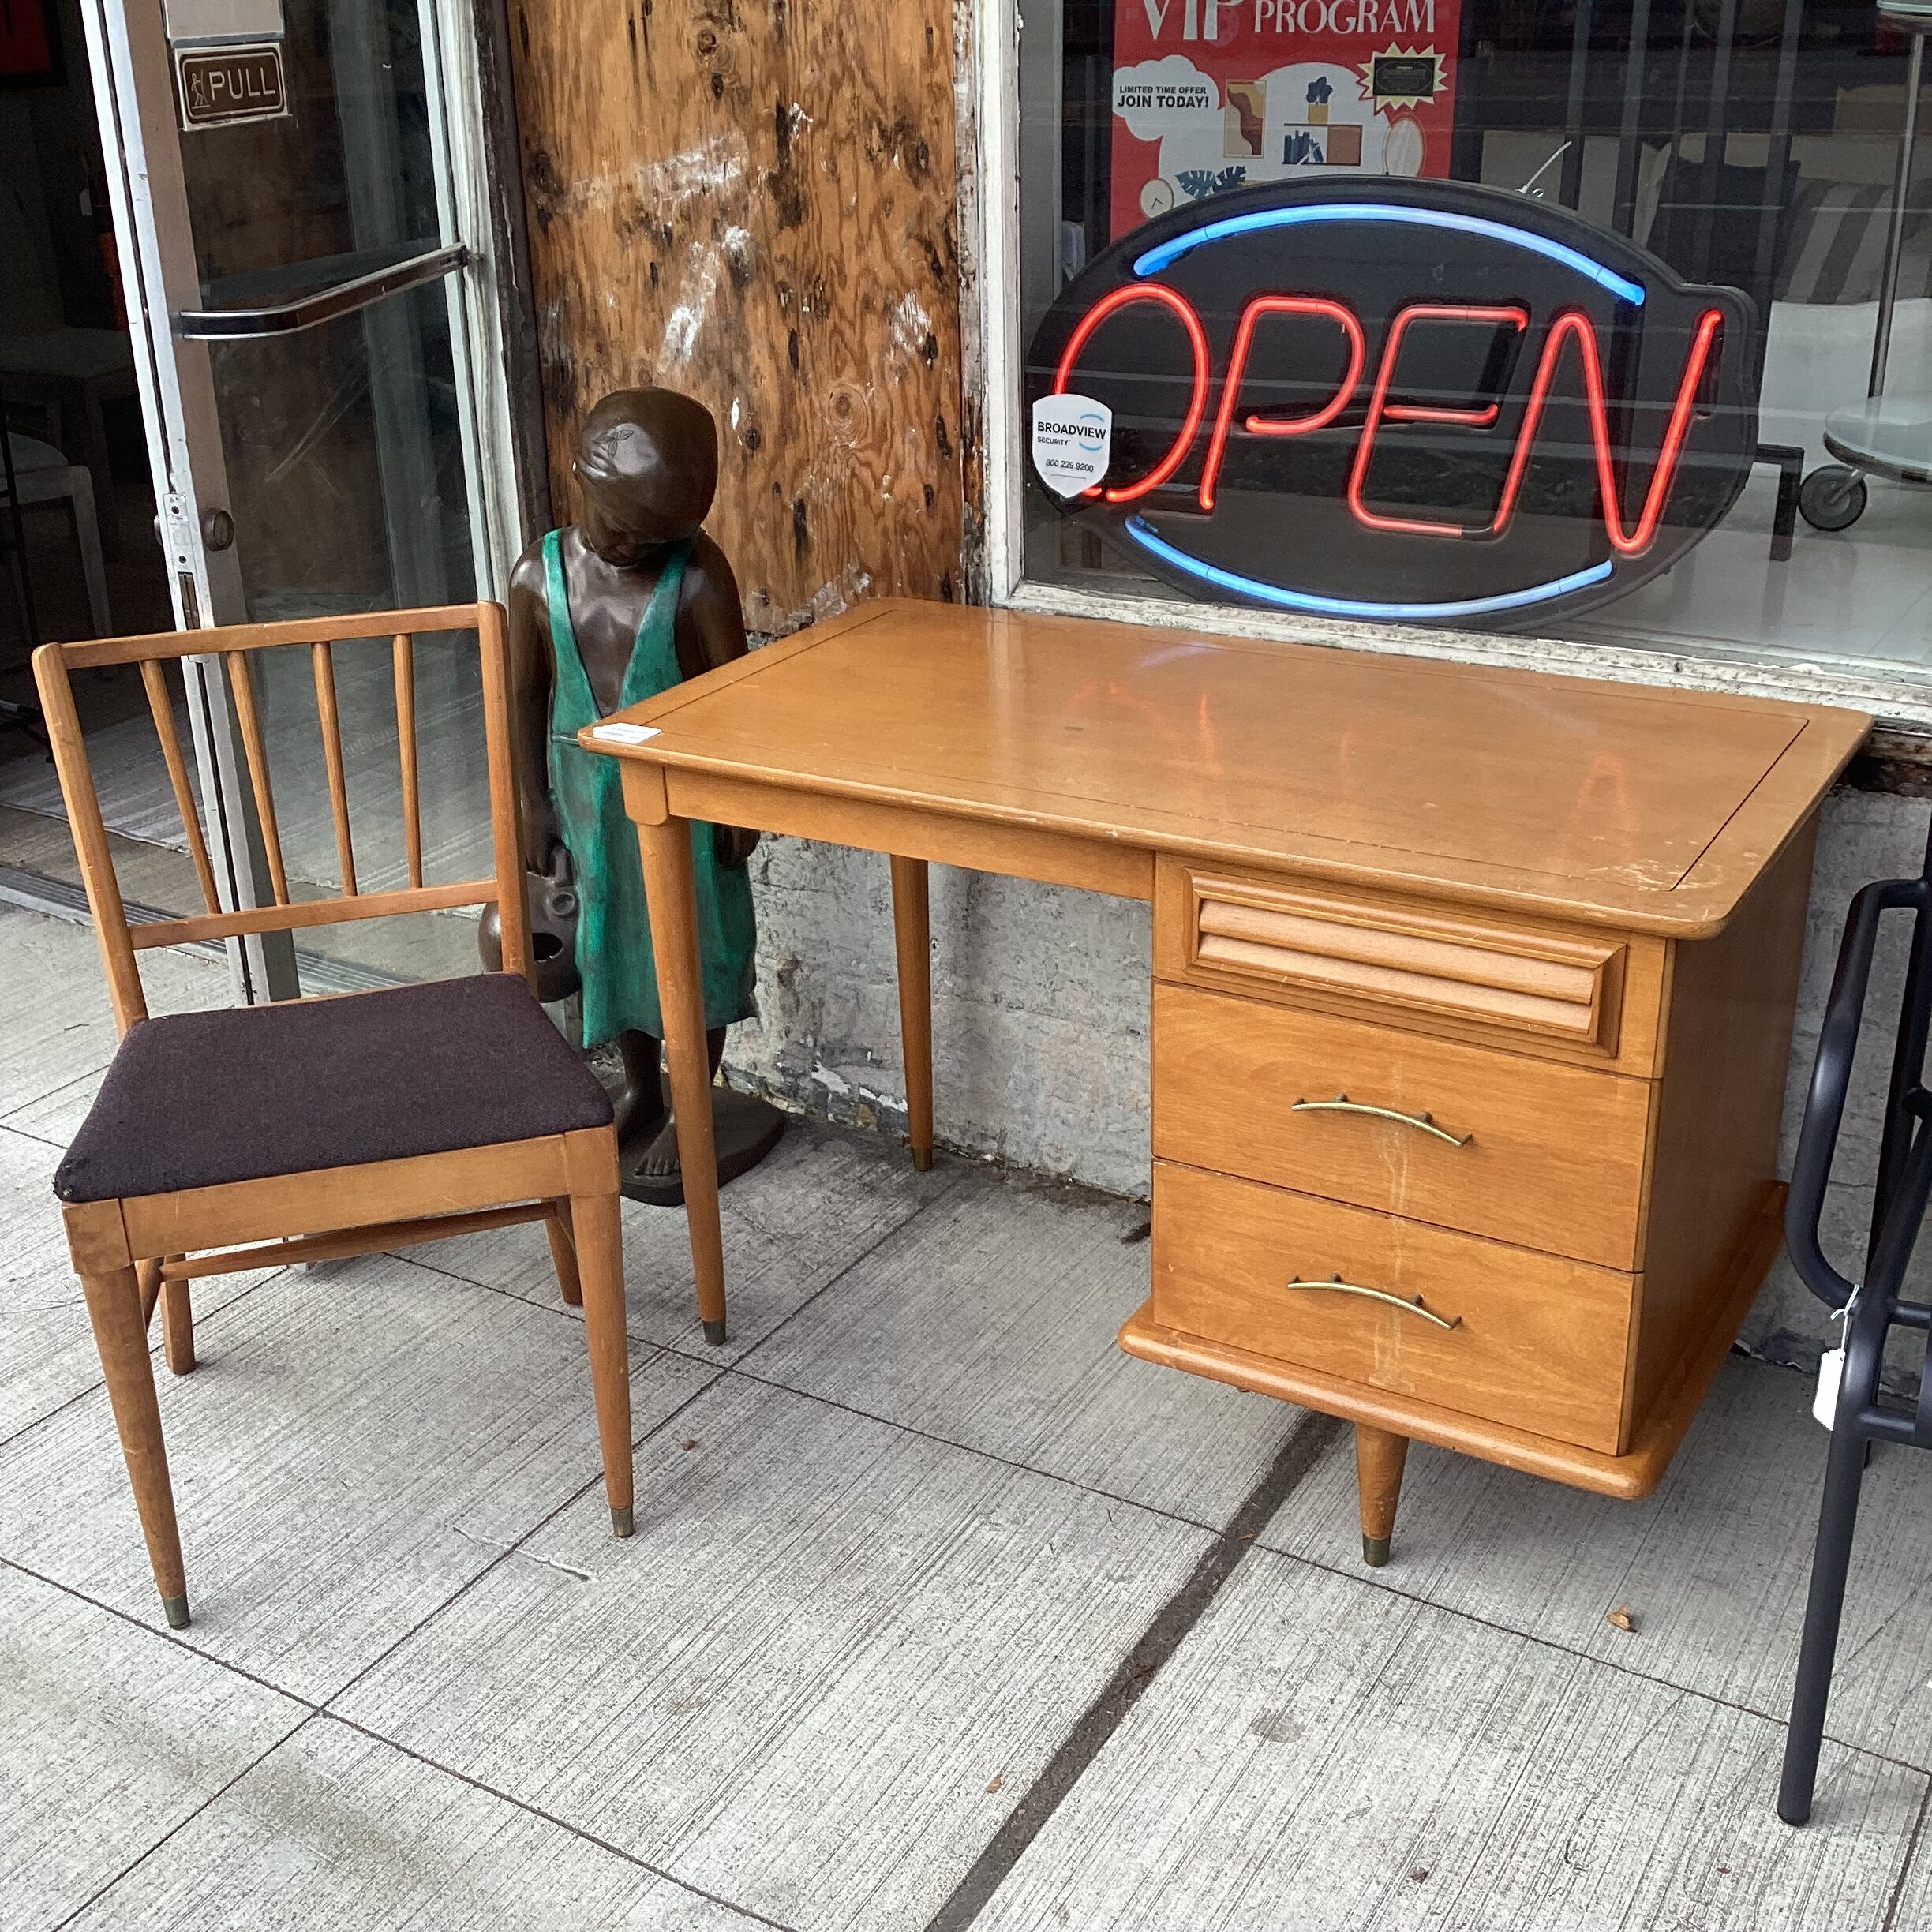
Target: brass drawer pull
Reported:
[(1342, 1104), (1335, 1285)]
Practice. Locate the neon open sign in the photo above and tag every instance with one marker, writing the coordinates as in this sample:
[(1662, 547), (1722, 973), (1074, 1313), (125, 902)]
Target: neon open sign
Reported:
[(1409, 400)]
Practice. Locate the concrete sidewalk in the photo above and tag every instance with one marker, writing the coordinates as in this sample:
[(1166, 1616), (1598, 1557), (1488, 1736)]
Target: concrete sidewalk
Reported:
[(941, 1612)]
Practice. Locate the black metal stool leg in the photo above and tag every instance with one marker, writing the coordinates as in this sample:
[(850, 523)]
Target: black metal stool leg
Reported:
[(1790, 460), (1838, 1518)]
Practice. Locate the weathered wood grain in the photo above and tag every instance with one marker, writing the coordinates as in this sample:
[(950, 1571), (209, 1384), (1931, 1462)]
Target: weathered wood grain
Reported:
[(755, 205)]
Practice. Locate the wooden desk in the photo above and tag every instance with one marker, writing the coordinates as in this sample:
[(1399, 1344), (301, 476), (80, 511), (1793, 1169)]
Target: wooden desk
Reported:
[(1471, 1001)]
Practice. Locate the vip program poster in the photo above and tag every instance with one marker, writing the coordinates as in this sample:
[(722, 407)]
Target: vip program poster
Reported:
[(1211, 95)]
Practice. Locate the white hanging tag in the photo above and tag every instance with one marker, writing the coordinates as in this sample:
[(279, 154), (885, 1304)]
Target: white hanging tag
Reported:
[(624, 734), (1831, 1372), (1831, 1365)]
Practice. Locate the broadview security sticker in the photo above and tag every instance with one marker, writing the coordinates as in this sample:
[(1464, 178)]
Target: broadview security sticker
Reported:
[(1072, 437)]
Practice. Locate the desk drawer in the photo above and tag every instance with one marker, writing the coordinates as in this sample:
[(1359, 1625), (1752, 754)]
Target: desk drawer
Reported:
[(1539, 1343), (1593, 998), (1552, 1155)]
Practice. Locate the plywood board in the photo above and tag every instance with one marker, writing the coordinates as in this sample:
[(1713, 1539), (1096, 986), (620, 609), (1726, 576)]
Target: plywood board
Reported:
[(756, 206)]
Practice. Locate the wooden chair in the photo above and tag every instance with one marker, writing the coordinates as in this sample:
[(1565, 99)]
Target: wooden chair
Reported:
[(256, 1136), (42, 476)]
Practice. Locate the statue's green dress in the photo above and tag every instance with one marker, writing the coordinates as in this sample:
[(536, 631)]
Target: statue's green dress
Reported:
[(613, 928)]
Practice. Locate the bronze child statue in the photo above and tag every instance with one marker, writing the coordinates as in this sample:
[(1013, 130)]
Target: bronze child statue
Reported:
[(619, 606)]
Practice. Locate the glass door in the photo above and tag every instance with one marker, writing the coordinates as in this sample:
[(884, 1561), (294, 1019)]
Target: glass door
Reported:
[(288, 194)]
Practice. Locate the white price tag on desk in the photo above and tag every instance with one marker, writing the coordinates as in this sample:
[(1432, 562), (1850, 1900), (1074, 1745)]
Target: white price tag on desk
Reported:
[(624, 734)]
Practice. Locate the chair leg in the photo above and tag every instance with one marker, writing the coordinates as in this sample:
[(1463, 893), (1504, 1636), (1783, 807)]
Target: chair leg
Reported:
[(599, 1268), (94, 453), (113, 1307), (149, 1275), (87, 541), (1830, 1561), (563, 1252), (177, 1325)]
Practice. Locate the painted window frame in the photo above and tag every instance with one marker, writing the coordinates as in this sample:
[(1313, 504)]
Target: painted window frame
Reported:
[(988, 93)]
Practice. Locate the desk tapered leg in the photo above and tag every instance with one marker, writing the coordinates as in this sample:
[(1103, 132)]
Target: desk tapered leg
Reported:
[(1379, 1460), (912, 932), (666, 850)]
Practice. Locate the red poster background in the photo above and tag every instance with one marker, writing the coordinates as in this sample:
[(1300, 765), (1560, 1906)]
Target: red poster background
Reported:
[(25, 49), (1210, 94)]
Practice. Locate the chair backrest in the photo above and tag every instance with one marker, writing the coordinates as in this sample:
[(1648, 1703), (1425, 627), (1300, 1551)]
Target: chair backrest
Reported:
[(232, 647), (1903, 1179)]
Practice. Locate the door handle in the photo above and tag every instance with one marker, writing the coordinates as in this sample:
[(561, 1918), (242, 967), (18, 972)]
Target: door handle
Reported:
[(328, 304), (218, 530)]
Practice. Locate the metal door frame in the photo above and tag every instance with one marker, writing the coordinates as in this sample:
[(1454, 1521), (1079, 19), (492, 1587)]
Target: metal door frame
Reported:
[(130, 61)]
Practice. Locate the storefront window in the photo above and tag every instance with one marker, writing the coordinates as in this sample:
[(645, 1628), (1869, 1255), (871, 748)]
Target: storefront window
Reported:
[(1751, 145)]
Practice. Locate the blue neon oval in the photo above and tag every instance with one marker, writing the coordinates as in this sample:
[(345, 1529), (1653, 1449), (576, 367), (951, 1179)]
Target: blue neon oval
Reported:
[(1157, 258), (1143, 533)]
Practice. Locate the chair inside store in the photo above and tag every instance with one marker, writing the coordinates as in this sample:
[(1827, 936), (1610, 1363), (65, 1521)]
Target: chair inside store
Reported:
[(302, 1130), (1872, 1308)]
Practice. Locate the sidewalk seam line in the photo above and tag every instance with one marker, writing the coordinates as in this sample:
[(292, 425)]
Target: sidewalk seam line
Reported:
[(550, 1817), (181, 1824), (1138, 1669)]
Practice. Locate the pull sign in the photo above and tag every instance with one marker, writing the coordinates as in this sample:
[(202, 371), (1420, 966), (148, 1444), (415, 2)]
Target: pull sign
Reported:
[(1072, 440), (218, 86)]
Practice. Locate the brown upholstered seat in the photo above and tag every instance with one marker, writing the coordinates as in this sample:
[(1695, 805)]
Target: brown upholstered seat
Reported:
[(304, 1084)]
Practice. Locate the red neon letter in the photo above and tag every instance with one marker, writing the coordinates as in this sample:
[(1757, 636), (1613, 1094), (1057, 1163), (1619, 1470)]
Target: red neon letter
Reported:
[(1573, 322), (1237, 363), (1197, 401), (1380, 407)]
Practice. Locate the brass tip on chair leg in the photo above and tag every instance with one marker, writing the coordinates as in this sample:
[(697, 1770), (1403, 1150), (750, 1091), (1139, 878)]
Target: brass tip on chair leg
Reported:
[(175, 1610), (922, 1160), (714, 1333), (1375, 1551), (621, 1522)]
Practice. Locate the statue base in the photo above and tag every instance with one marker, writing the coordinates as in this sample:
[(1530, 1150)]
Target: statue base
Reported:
[(743, 1129)]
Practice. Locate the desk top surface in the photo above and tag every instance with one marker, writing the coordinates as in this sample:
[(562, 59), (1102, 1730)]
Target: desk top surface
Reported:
[(1614, 803)]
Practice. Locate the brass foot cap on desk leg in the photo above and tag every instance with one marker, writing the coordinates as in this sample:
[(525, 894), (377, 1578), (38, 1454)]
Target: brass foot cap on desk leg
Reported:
[(1375, 1551), (922, 1160), (621, 1522), (714, 1333), (175, 1609)]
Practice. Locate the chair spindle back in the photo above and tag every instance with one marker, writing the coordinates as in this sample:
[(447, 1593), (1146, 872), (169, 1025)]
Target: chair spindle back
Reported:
[(233, 646)]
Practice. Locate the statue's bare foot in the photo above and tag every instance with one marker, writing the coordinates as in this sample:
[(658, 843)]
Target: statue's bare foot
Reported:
[(661, 1157)]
